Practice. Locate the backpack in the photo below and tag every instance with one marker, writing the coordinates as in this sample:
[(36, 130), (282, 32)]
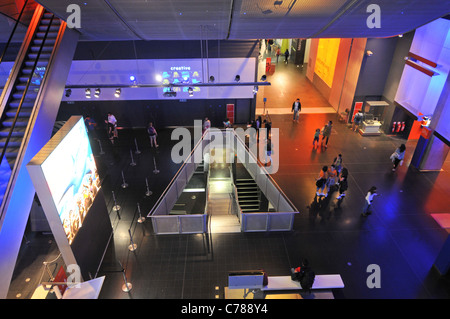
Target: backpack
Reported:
[(307, 280)]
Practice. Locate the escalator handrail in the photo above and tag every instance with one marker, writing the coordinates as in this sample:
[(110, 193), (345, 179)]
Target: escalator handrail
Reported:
[(13, 31), (27, 86)]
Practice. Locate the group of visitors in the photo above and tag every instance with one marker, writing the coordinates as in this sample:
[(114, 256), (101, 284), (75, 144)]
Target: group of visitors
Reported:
[(111, 129), (332, 178)]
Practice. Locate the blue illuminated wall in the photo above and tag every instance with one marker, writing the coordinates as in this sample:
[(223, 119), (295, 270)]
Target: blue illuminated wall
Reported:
[(418, 92)]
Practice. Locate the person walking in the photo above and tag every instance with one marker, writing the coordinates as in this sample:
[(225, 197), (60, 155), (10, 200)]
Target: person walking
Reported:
[(268, 127), (343, 184), (152, 135), (326, 132), (398, 156), (206, 125), (258, 126), (296, 108), (91, 125), (357, 121), (111, 119), (338, 163), (286, 56), (368, 201), (321, 181), (268, 157), (316, 137), (331, 180)]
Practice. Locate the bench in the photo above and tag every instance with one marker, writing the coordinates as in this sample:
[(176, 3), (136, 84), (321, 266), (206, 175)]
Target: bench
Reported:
[(320, 282)]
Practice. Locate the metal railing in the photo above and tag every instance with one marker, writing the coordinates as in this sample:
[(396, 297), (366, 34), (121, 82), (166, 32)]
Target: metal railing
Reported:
[(13, 32)]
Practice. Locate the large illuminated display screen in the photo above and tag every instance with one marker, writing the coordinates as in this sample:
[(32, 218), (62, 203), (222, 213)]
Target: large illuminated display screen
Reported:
[(177, 72), (72, 178), (326, 59)]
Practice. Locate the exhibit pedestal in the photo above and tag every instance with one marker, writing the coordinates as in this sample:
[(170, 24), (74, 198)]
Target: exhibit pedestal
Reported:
[(370, 128)]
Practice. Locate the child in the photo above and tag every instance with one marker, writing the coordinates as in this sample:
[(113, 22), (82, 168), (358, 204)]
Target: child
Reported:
[(316, 137), (152, 134)]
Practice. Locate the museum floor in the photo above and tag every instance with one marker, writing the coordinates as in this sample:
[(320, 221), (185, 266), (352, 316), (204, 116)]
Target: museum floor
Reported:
[(403, 235)]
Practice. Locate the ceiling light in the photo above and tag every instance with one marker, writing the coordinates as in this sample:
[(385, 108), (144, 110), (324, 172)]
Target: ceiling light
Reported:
[(68, 92), (97, 93), (158, 77), (88, 93), (255, 90), (132, 78), (237, 78), (117, 93)]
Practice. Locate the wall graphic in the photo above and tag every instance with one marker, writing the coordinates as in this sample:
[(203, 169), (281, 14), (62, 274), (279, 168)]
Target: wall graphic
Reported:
[(327, 53)]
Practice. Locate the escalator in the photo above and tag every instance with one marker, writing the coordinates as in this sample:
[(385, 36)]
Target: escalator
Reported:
[(29, 104), (17, 112)]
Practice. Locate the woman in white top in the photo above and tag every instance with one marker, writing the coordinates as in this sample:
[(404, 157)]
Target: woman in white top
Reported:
[(368, 201), (397, 156)]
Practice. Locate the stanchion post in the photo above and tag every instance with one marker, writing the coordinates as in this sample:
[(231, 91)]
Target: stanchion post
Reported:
[(141, 218), (132, 246), (101, 149), (148, 192), (155, 171), (126, 286), (137, 149), (124, 184), (115, 207), (132, 159)]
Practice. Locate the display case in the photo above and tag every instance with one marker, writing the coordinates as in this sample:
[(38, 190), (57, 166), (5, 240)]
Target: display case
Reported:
[(373, 117)]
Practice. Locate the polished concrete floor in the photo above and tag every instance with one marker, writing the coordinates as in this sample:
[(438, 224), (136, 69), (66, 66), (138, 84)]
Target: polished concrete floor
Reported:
[(401, 236)]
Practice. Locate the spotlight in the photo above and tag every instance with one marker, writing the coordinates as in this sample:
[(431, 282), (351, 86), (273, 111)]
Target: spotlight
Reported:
[(211, 79), (68, 92), (191, 91), (117, 93), (97, 93), (132, 78), (88, 93), (237, 78), (369, 53), (263, 78), (158, 77)]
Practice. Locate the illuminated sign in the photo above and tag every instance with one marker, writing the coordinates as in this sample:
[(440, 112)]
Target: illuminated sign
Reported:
[(72, 178)]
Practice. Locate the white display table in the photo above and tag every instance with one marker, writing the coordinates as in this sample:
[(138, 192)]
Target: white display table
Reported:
[(370, 129)]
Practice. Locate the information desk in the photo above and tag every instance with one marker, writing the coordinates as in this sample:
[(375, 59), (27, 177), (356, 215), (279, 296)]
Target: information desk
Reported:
[(372, 128)]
